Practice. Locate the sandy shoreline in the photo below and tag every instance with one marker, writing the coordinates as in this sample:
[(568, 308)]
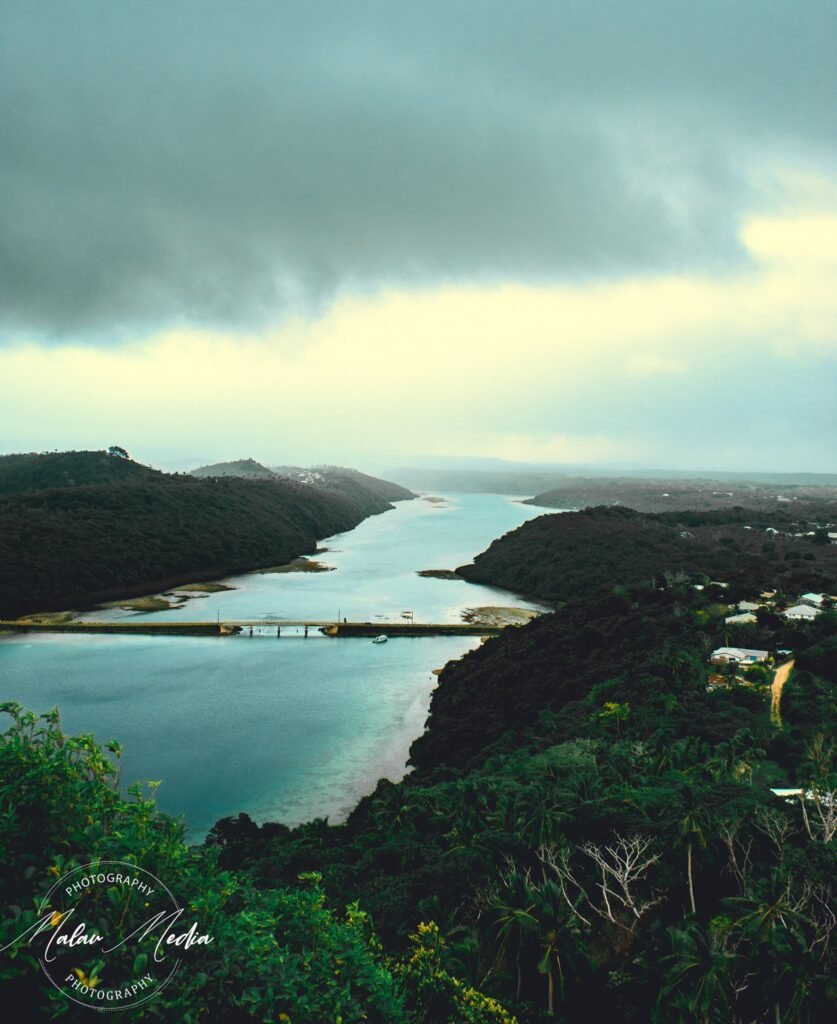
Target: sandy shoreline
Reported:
[(174, 597), (499, 615), (301, 564)]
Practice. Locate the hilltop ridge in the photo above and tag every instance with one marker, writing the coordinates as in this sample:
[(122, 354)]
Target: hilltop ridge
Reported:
[(35, 471), (239, 467), (571, 555)]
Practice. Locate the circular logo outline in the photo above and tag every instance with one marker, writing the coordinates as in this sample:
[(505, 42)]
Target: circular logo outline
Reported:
[(123, 1006)]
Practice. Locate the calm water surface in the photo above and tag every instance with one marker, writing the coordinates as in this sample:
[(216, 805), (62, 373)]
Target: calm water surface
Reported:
[(284, 729)]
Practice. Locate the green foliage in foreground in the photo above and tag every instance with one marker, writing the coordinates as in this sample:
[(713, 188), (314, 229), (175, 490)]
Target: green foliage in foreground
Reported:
[(279, 953)]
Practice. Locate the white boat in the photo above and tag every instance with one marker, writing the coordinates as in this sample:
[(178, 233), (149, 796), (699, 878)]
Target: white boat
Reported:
[(382, 639)]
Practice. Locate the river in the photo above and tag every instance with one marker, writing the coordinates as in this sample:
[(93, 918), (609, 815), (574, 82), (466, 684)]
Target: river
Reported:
[(286, 729)]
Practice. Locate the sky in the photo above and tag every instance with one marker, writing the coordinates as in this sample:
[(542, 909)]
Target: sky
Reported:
[(575, 232)]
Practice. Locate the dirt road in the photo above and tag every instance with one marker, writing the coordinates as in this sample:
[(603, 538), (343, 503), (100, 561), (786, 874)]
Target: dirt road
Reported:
[(779, 680)]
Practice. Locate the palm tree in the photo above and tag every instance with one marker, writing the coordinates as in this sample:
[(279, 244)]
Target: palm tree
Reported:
[(691, 830), (697, 985), (540, 811), (515, 920), (774, 928), (558, 948)]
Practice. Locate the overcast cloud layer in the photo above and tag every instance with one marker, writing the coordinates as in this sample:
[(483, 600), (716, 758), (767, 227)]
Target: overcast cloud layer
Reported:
[(229, 163), (357, 231)]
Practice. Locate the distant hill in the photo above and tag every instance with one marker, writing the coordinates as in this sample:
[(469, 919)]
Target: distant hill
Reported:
[(341, 479), (383, 488), (500, 477), (34, 472), (485, 481), (242, 467), (572, 555), (82, 527), (345, 480), (677, 493)]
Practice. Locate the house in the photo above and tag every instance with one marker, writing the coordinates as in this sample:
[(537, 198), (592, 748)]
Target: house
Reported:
[(747, 606), (737, 619), (737, 656), (814, 599), (801, 612)]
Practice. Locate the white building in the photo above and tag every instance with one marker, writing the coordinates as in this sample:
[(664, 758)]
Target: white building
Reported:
[(801, 612), (743, 617), (737, 655)]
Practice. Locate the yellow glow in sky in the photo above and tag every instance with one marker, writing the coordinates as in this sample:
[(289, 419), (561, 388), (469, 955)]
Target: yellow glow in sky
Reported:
[(566, 373)]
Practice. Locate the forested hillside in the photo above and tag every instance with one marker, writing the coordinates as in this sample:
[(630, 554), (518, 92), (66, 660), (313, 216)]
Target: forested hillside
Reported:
[(591, 820), (75, 543), (560, 557), (593, 830), (346, 480)]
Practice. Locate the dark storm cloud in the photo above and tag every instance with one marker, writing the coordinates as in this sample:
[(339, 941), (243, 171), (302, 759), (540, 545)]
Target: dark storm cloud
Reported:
[(226, 162)]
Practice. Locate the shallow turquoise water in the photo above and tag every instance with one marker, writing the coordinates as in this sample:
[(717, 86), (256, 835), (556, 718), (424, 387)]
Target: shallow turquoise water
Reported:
[(284, 729)]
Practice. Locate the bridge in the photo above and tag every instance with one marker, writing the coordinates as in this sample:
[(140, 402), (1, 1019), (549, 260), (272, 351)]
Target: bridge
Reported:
[(255, 627)]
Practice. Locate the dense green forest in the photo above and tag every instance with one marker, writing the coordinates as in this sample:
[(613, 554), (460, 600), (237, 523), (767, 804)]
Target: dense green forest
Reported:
[(590, 830), (593, 829), (101, 526), (561, 557)]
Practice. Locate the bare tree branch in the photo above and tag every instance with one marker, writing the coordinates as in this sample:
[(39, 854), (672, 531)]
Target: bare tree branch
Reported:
[(622, 867)]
